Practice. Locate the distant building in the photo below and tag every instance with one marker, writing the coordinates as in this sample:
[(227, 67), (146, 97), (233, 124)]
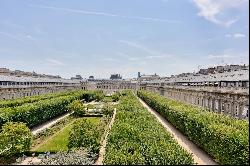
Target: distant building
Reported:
[(148, 77), (115, 76), (77, 77), (19, 73), (4, 71), (91, 77), (221, 69), (184, 74)]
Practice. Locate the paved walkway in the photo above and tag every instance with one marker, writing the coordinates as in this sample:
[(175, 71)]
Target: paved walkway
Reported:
[(48, 124), (29, 161), (99, 161), (200, 157)]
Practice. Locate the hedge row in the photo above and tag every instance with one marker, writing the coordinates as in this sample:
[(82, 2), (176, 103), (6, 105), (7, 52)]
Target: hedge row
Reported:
[(38, 112), (86, 134), (223, 137), (137, 138), (31, 99)]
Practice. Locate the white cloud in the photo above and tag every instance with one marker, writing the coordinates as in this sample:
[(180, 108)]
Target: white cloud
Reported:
[(239, 35), (106, 14), (211, 56), (229, 55), (134, 58), (55, 62), (236, 35), (212, 9), (109, 59), (157, 56), (228, 35), (19, 37), (153, 53), (11, 36), (12, 25)]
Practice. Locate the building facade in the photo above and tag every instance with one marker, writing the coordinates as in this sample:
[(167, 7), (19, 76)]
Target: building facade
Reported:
[(226, 92), (12, 87)]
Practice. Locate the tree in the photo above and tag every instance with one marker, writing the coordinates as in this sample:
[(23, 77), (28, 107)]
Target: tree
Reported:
[(77, 107), (108, 110), (85, 134), (15, 138)]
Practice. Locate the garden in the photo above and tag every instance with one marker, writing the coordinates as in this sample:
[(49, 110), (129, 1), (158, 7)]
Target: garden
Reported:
[(119, 124), (18, 117)]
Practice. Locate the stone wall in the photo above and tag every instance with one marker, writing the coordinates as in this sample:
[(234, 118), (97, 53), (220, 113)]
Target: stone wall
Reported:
[(13, 93), (227, 102)]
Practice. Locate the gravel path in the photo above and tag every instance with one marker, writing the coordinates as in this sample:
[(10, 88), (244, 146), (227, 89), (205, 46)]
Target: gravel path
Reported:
[(29, 161), (200, 157), (99, 161), (47, 124)]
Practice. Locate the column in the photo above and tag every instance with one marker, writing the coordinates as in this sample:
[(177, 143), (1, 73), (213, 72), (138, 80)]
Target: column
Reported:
[(219, 105), (228, 106), (204, 101), (191, 99), (241, 108), (213, 104), (208, 103)]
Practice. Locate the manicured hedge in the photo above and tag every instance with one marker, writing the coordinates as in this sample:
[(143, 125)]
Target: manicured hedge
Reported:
[(78, 108), (223, 137), (31, 99), (85, 134), (38, 112), (137, 138)]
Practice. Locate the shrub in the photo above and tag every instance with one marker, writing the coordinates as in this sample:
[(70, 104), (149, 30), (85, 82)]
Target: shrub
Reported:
[(84, 134), (223, 137), (107, 99), (137, 138), (15, 138), (41, 111), (116, 96), (77, 107), (31, 99), (98, 95), (90, 106), (108, 110), (35, 113)]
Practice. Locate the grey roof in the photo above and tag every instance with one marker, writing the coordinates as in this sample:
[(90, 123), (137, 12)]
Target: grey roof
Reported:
[(33, 79), (240, 75)]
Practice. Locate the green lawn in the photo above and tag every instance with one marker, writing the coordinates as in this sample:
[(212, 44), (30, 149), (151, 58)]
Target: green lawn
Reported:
[(59, 141), (93, 119)]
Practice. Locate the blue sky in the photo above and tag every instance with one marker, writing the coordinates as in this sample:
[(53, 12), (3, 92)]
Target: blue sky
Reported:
[(101, 37)]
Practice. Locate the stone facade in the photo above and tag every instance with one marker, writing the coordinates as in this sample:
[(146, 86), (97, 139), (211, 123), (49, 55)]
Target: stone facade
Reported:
[(12, 87), (15, 92), (109, 86), (232, 103)]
